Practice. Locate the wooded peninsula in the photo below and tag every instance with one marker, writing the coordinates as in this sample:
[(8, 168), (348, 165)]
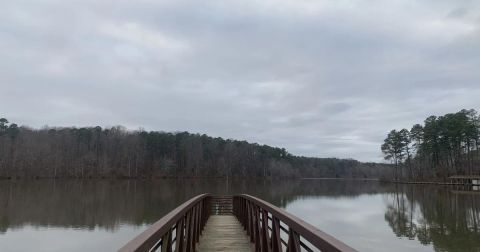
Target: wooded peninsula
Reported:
[(115, 152), (443, 146)]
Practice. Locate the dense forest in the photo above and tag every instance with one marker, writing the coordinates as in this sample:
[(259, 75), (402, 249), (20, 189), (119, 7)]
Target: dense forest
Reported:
[(443, 146), (95, 152)]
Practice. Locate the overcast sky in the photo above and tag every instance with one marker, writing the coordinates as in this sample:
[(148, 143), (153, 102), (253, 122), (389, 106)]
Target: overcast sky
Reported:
[(320, 78)]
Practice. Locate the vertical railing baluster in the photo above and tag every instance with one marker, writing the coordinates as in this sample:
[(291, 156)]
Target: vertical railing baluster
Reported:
[(258, 242), (260, 229), (200, 227), (276, 238), (195, 223), (179, 238), (188, 232), (293, 241), (247, 207), (242, 215), (241, 205), (204, 219), (167, 242), (194, 228), (265, 236), (251, 215), (206, 205), (199, 214), (245, 213), (240, 209)]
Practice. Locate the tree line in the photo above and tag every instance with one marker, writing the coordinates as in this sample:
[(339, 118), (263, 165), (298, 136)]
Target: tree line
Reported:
[(443, 146), (115, 152)]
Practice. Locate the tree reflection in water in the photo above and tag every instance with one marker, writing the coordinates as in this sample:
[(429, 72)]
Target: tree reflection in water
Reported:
[(427, 214), (107, 204), (435, 215)]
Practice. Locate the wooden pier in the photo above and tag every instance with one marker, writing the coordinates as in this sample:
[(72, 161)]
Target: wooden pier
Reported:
[(224, 233), (237, 223)]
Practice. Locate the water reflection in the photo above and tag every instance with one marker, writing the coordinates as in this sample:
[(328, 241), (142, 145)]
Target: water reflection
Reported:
[(367, 215), (106, 204), (436, 215)]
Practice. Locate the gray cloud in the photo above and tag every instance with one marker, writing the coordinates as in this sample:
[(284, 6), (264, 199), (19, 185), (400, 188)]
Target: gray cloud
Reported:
[(320, 78)]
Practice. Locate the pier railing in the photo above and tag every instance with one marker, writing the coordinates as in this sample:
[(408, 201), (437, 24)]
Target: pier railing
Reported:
[(272, 229), (269, 228), (179, 230)]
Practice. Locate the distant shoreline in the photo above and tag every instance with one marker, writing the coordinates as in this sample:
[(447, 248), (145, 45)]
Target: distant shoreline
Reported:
[(392, 181), (360, 179), (232, 178)]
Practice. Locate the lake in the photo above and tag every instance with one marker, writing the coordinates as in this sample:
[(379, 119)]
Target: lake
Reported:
[(102, 215)]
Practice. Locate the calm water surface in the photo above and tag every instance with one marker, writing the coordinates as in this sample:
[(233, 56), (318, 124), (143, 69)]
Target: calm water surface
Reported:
[(70, 215)]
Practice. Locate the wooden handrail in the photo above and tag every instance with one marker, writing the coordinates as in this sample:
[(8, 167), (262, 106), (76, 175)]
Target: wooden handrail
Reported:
[(180, 229), (262, 221), (186, 221)]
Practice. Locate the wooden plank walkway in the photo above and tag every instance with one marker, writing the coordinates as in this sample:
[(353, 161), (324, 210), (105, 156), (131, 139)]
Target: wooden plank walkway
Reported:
[(224, 233)]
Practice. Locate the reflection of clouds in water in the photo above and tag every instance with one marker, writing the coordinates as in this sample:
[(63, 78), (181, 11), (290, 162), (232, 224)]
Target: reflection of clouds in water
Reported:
[(365, 215), (65, 239), (338, 209), (358, 221)]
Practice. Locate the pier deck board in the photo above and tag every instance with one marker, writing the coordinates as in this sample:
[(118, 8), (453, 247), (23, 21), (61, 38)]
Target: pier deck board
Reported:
[(224, 233)]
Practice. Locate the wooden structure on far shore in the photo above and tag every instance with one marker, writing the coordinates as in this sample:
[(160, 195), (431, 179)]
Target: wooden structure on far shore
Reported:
[(466, 182)]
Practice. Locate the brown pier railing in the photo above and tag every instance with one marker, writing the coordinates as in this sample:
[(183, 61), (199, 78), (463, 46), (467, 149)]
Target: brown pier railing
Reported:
[(179, 230), (265, 224), (269, 228)]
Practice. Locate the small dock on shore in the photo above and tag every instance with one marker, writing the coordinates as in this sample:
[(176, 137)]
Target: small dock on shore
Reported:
[(465, 182)]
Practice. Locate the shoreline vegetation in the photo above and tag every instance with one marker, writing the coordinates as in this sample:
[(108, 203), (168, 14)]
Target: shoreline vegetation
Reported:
[(443, 146), (115, 152), (379, 180)]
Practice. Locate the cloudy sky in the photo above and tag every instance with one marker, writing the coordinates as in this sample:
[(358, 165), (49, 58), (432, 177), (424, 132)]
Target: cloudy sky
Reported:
[(320, 78)]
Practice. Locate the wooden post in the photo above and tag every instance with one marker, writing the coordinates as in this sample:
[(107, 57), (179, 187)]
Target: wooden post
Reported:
[(293, 241), (257, 228), (276, 239), (167, 242), (265, 237), (180, 236)]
